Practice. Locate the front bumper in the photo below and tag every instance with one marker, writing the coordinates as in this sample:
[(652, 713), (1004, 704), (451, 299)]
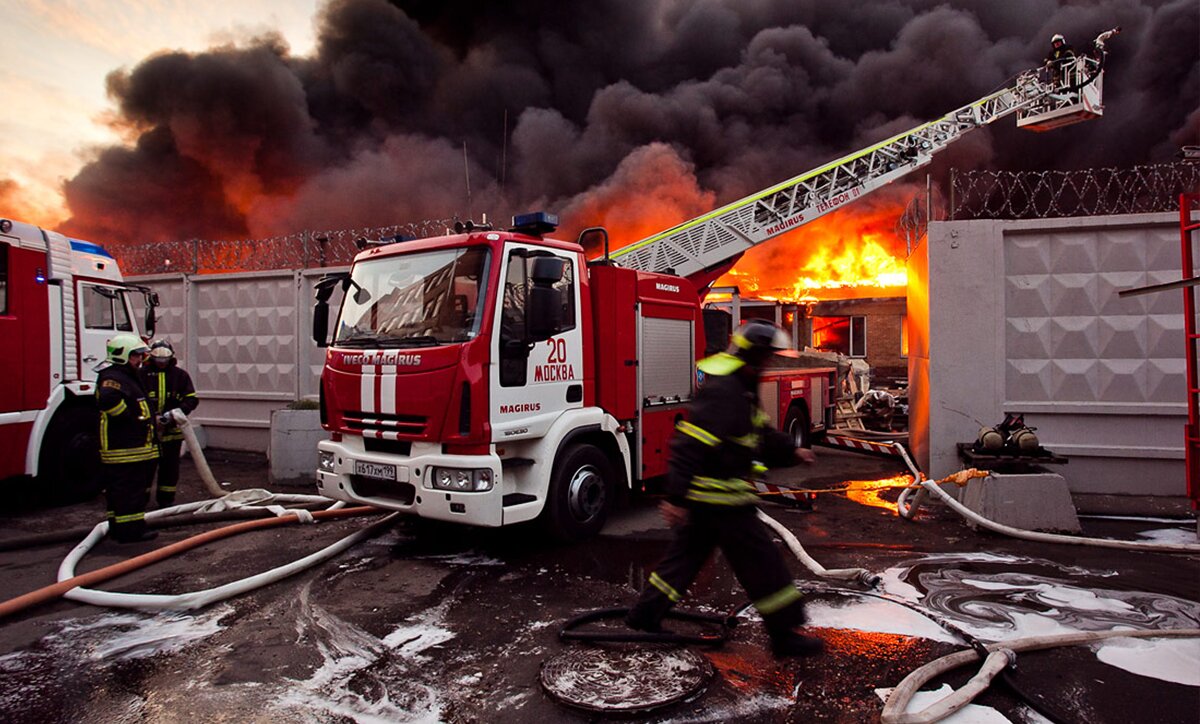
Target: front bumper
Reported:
[(412, 491)]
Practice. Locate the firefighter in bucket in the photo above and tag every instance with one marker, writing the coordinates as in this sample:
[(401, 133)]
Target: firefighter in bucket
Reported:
[(712, 505)]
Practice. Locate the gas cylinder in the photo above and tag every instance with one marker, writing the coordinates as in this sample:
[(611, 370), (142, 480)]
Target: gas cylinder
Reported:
[(989, 439), (1024, 439)]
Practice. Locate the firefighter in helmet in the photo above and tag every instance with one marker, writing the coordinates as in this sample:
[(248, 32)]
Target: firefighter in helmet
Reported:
[(710, 502), (1060, 56), (128, 449), (169, 387)]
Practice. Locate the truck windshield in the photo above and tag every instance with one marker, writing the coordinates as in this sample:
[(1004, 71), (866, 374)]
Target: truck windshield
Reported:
[(427, 298)]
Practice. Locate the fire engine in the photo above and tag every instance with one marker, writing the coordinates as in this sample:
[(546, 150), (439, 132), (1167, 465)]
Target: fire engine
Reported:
[(60, 301), (493, 377)]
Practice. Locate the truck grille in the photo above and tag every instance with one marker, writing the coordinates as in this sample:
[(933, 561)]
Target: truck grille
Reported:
[(401, 493), (369, 422)]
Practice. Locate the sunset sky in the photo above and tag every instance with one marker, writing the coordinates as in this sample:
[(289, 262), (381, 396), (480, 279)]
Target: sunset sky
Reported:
[(56, 54)]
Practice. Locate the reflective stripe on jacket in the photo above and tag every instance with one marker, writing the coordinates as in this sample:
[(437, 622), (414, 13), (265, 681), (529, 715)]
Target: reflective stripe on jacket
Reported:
[(126, 423), (168, 388), (716, 450)]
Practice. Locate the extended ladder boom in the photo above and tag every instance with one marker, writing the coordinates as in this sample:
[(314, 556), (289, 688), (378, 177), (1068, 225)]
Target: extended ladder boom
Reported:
[(698, 247)]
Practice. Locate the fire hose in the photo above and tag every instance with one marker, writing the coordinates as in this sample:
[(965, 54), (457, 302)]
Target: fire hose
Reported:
[(189, 434), (227, 503), (999, 655), (70, 585), (924, 486), (861, 575)]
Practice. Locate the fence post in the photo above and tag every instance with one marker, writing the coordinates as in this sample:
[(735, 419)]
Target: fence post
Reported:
[(195, 256), (953, 181)]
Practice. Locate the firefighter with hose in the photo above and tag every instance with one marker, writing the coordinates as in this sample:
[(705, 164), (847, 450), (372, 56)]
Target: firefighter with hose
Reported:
[(169, 387), (128, 448), (712, 505)]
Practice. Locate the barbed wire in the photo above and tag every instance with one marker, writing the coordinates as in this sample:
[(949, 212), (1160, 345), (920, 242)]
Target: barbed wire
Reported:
[(1087, 192), (298, 250), (973, 195)]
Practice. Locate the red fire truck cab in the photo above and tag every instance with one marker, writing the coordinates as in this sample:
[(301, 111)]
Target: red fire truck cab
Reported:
[(61, 300), (495, 377)]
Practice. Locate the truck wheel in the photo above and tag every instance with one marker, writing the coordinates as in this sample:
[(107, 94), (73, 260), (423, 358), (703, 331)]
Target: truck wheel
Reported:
[(69, 462), (797, 425), (580, 495)]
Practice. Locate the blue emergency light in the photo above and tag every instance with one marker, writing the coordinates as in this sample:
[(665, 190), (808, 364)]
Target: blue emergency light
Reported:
[(535, 223)]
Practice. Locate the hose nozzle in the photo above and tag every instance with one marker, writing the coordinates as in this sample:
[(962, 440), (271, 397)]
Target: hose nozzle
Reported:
[(870, 579)]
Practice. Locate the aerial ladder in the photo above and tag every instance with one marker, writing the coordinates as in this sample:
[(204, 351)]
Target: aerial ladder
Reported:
[(706, 247)]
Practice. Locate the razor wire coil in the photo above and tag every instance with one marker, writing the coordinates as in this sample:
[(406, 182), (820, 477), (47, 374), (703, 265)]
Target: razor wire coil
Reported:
[(974, 194), (298, 250), (984, 194)]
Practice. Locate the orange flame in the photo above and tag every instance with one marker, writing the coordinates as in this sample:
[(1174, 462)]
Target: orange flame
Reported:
[(852, 252), (870, 492)]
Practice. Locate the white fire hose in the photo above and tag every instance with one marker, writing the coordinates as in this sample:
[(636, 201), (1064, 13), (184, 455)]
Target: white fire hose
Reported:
[(909, 512), (189, 434), (1001, 654), (861, 575), (223, 500)]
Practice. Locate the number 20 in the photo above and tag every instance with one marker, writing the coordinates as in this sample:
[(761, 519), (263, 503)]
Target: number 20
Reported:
[(558, 351)]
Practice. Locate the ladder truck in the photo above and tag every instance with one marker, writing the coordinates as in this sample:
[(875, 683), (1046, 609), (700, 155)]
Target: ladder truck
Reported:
[(61, 299), (492, 377)]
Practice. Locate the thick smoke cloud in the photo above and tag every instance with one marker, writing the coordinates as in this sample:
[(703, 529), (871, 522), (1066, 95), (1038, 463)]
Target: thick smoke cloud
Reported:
[(588, 108)]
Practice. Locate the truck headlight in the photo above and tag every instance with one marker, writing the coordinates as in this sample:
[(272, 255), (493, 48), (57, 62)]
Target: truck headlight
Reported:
[(463, 480), (325, 461)]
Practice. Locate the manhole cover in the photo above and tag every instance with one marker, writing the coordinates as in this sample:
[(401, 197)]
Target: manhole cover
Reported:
[(614, 679)]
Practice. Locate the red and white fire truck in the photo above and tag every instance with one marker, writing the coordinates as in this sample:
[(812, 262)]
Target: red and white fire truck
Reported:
[(492, 377), (60, 301)]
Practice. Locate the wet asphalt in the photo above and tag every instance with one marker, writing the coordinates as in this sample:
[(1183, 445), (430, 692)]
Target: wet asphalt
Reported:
[(445, 623)]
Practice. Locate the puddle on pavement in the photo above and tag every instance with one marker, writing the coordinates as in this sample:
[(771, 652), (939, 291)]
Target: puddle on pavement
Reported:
[(419, 669)]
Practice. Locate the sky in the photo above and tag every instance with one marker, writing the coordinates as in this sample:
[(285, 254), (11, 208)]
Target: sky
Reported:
[(163, 119), (55, 57)]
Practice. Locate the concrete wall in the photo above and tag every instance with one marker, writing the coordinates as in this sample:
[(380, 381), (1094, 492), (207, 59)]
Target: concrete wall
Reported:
[(246, 340), (1025, 317)]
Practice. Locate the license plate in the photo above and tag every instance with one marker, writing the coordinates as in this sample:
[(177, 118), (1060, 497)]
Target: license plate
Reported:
[(374, 470)]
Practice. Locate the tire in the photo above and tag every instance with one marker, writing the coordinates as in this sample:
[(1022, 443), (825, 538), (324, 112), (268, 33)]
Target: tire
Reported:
[(69, 461), (798, 426), (581, 494)]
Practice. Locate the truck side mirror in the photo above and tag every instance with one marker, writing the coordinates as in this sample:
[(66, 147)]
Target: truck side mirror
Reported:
[(150, 319), (150, 322), (323, 291), (544, 314), (547, 270), (320, 328)]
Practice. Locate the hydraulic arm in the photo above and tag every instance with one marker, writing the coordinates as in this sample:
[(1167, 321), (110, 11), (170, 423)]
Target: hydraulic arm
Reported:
[(703, 248)]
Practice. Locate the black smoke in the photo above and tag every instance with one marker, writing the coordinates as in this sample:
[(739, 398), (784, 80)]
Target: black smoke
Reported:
[(597, 109)]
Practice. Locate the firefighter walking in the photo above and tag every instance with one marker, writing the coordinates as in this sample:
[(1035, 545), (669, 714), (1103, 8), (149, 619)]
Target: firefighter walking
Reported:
[(128, 449), (712, 505), (169, 387)]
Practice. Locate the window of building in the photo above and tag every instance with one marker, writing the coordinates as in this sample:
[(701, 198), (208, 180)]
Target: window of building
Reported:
[(844, 335)]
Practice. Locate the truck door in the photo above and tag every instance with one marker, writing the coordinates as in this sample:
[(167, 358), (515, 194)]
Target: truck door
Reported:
[(12, 363), (103, 313), (533, 383)]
